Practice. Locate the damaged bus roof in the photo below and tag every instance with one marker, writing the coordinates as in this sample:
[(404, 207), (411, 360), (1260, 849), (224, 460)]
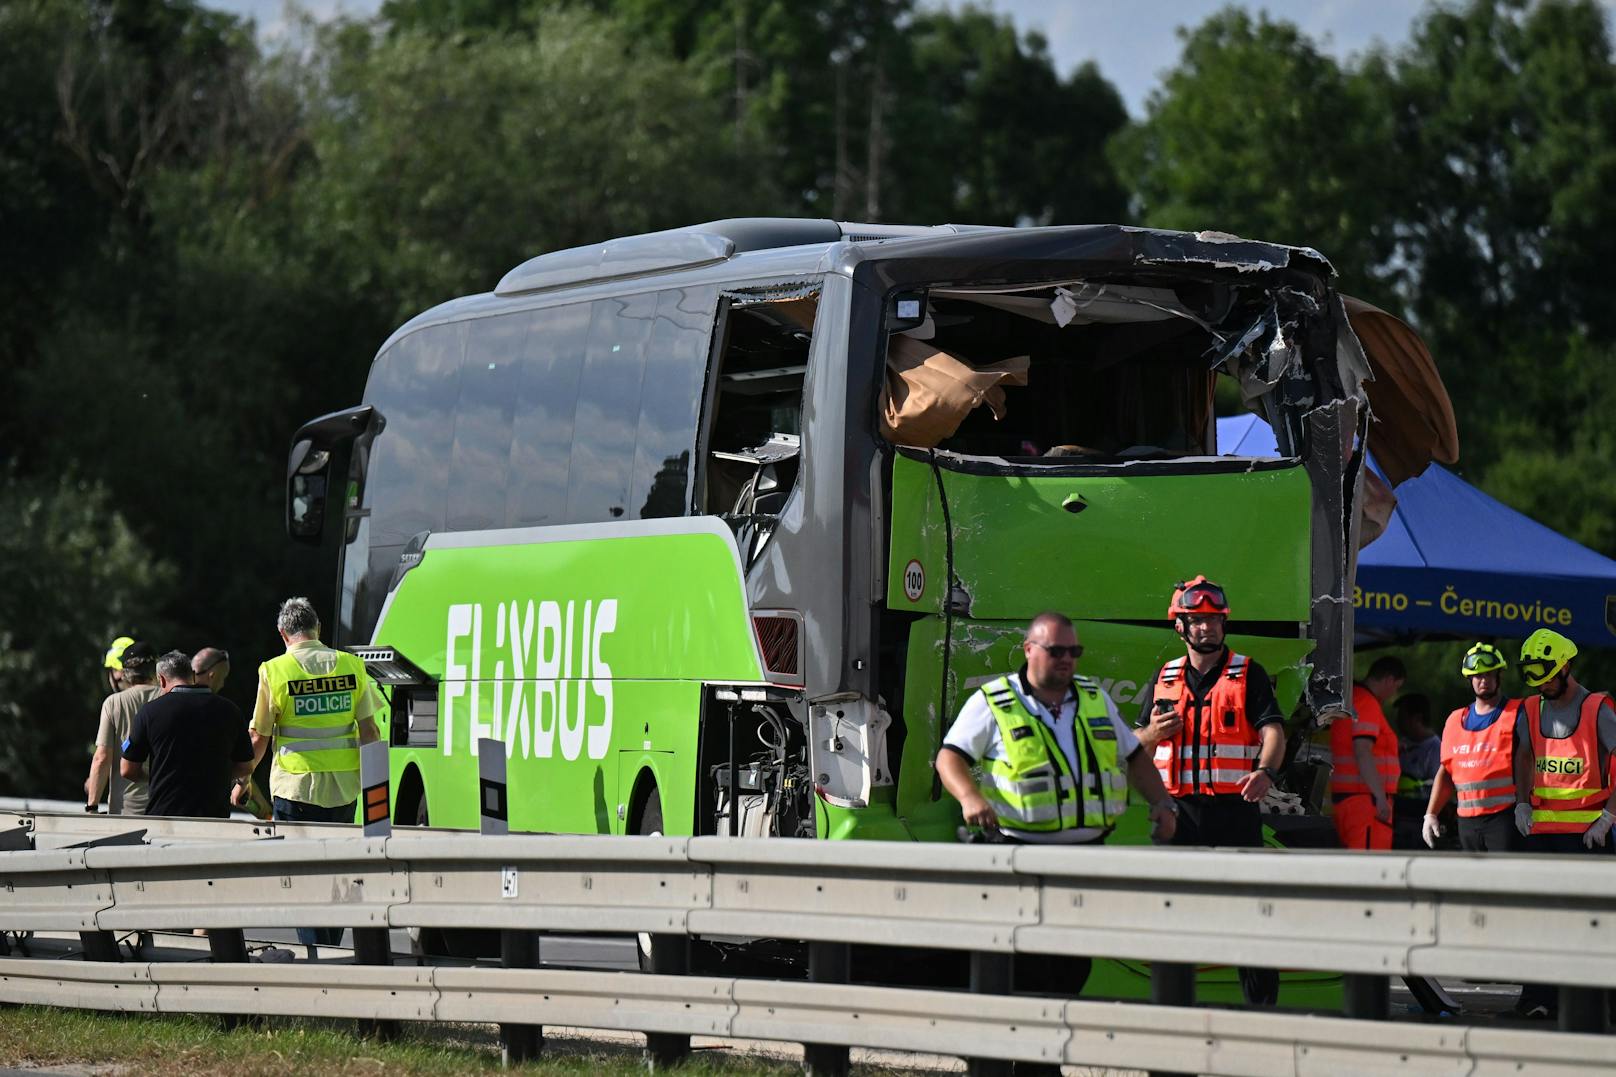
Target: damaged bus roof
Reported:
[(759, 247)]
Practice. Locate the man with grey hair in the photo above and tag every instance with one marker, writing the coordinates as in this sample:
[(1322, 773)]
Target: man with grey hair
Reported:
[(195, 741), (317, 704)]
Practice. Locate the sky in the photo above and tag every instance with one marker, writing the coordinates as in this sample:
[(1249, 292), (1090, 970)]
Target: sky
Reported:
[(1132, 41)]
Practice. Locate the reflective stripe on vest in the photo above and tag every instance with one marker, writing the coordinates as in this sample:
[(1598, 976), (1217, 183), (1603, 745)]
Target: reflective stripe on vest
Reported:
[(316, 727), (1569, 789), (1217, 747), (1482, 762), (1033, 787)]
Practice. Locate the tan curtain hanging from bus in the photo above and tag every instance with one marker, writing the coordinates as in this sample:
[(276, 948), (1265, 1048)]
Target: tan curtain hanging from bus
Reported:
[(928, 393)]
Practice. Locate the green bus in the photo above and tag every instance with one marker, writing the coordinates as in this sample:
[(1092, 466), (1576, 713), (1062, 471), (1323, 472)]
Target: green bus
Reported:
[(683, 521)]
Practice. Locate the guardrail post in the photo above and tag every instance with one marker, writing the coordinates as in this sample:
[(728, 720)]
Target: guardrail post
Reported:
[(828, 963), (670, 956), (519, 1043), (375, 800), (990, 975), (373, 947), (493, 803), (99, 946), (1584, 1009), (1367, 997), (1172, 983), (228, 945)]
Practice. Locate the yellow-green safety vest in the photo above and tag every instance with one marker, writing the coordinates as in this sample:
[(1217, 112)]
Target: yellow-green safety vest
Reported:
[(1033, 788), (316, 724)]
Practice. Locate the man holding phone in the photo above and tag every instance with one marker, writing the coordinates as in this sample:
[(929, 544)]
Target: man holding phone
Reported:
[(1211, 723)]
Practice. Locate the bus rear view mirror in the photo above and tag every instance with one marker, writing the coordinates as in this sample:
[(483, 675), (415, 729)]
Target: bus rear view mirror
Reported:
[(308, 467), (306, 487)]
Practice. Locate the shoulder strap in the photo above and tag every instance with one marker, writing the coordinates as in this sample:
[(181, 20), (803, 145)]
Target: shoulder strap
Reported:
[(1235, 668), (999, 693), (1088, 684), (1172, 671)]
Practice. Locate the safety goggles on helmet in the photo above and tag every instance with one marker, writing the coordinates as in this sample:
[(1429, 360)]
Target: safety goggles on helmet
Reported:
[(1482, 658), (1199, 595), (1539, 671), (1543, 655)]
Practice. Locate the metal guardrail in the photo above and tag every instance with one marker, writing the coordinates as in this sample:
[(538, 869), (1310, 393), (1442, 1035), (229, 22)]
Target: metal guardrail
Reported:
[(1365, 914), (1124, 1035)]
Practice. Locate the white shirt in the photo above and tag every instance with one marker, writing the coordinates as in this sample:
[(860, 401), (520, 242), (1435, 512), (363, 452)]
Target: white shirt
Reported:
[(976, 735)]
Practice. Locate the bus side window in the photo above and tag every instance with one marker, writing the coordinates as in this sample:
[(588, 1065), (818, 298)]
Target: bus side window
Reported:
[(405, 469), (546, 398), (415, 386), (755, 437), (670, 406), (481, 457), (609, 409)]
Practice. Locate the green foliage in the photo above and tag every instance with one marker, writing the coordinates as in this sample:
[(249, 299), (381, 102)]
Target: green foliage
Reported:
[(1258, 133), (440, 162), (73, 575)]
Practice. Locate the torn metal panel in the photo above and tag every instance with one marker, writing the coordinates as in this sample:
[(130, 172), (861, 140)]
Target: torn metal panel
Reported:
[(1335, 468)]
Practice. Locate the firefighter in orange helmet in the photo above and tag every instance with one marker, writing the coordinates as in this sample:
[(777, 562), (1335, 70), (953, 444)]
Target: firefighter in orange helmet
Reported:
[(1216, 734)]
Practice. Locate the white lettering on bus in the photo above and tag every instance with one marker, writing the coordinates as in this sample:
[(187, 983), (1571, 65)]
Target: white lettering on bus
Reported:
[(533, 648)]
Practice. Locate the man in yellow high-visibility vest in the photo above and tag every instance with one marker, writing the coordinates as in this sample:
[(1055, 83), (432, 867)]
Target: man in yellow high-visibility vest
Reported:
[(316, 703)]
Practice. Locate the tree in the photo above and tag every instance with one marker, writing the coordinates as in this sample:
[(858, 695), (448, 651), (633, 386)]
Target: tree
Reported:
[(1505, 137), (988, 133), (440, 162), (1258, 133), (72, 576)]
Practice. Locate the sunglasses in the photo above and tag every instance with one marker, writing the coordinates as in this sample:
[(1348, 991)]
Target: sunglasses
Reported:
[(1057, 651)]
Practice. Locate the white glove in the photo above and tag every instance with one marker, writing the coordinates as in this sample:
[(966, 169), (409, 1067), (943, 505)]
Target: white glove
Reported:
[(1595, 834), (1523, 819), (1430, 830)]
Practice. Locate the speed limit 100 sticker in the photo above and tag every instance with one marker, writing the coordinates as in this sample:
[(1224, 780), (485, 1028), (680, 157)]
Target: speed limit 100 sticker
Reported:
[(914, 581)]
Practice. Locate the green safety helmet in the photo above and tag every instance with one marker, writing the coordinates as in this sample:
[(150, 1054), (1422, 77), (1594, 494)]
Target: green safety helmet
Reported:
[(1543, 655), (127, 651), (1482, 658)]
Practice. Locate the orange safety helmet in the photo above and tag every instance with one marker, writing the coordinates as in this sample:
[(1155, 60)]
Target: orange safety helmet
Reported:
[(1199, 595)]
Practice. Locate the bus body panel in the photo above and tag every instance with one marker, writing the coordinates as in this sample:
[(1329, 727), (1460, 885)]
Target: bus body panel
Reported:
[(1017, 548), (584, 649)]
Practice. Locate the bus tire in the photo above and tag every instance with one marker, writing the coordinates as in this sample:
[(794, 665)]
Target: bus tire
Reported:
[(424, 941), (659, 953)]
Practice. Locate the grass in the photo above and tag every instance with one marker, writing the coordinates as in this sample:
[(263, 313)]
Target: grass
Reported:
[(178, 1046)]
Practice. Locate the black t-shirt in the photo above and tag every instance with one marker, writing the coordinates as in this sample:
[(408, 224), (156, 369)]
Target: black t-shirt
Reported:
[(191, 737), (1261, 706)]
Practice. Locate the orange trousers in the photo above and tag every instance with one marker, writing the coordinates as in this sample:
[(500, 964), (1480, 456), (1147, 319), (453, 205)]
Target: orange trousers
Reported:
[(1356, 825)]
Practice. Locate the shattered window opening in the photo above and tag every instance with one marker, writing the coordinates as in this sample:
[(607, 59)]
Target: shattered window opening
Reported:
[(754, 447), (1086, 371)]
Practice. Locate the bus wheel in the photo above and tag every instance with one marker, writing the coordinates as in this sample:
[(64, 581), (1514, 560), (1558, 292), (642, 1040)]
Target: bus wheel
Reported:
[(425, 941), (651, 960)]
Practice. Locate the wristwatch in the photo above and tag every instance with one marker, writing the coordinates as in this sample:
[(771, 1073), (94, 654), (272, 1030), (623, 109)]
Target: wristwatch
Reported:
[(1273, 775)]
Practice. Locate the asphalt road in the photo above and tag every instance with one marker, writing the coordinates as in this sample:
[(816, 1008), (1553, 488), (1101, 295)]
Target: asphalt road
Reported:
[(608, 953)]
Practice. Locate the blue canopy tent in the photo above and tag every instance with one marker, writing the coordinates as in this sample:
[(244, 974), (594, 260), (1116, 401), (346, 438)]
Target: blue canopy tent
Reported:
[(1455, 562)]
